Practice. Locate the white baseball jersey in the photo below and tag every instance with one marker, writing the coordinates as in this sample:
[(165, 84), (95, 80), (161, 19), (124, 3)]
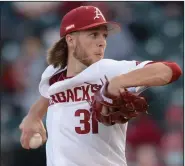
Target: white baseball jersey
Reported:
[(75, 138)]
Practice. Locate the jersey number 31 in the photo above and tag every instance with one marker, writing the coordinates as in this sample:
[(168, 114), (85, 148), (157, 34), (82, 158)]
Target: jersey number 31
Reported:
[(86, 122)]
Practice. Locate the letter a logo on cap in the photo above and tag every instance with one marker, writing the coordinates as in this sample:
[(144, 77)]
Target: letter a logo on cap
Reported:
[(98, 13)]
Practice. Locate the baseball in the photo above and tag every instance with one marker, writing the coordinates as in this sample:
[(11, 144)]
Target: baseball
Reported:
[(35, 141)]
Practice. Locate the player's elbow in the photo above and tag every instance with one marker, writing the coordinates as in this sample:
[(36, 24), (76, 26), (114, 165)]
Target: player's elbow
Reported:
[(175, 71), (168, 72)]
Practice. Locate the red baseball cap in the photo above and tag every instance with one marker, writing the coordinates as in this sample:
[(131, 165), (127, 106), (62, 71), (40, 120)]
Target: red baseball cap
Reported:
[(83, 18)]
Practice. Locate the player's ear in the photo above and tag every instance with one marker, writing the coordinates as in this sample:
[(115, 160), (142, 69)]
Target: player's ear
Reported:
[(70, 39)]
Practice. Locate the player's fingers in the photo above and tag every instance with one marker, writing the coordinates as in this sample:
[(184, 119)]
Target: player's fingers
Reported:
[(22, 141), (24, 144), (43, 134), (26, 139)]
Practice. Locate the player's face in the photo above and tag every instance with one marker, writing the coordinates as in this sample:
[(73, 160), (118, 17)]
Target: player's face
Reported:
[(90, 45)]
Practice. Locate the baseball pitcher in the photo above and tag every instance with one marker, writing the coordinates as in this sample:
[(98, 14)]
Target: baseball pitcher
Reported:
[(89, 100)]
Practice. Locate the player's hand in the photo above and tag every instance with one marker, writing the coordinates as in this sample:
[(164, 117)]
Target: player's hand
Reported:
[(29, 126), (114, 87)]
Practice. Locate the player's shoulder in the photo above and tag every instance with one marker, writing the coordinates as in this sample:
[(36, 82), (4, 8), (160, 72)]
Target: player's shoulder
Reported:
[(50, 71)]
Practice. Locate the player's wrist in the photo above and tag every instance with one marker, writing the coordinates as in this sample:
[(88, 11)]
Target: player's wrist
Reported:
[(35, 116), (114, 86)]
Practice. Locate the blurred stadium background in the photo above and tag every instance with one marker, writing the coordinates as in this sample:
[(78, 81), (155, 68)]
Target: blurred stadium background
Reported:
[(151, 31)]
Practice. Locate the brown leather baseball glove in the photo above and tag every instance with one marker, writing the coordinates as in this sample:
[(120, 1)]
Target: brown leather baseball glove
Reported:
[(109, 109)]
